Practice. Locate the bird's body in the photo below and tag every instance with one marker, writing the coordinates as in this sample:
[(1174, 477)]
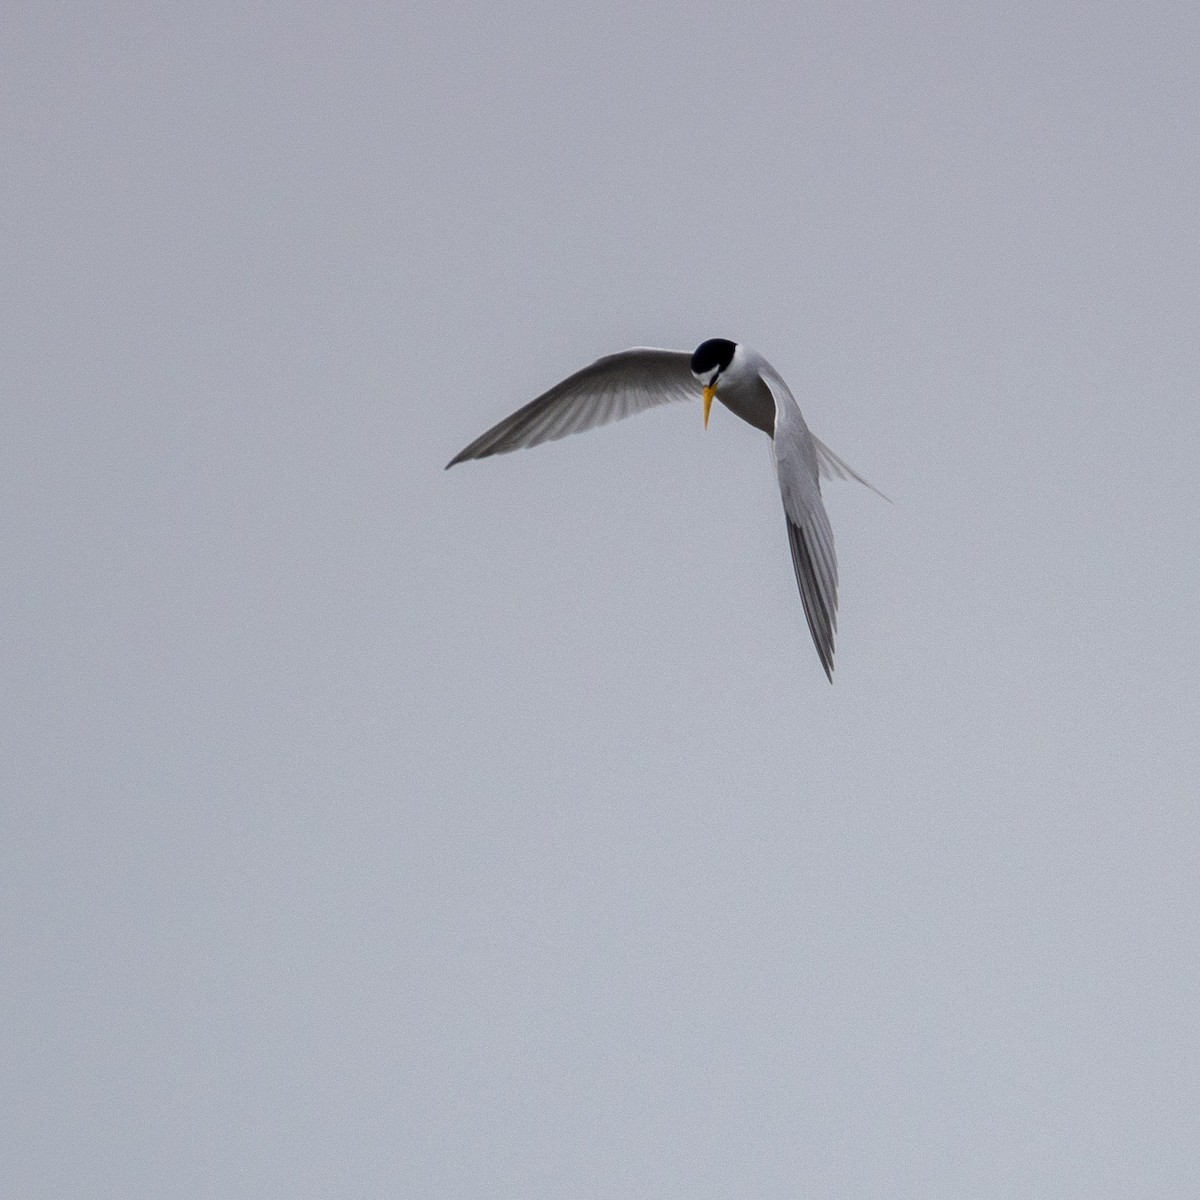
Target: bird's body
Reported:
[(621, 384)]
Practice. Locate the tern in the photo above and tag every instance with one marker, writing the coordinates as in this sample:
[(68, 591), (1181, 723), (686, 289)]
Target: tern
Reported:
[(630, 381)]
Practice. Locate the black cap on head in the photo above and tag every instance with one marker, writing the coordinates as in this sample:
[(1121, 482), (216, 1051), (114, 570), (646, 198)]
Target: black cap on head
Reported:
[(714, 355)]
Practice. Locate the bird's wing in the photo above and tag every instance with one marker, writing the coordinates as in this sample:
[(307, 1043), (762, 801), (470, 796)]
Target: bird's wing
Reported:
[(797, 463), (832, 467), (613, 387)]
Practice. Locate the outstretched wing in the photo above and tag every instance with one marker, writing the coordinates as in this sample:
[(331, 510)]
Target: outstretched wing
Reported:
[(613, 387), (809, 535)]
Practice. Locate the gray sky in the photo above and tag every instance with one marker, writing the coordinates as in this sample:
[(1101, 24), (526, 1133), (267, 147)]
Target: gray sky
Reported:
[(371, 830)]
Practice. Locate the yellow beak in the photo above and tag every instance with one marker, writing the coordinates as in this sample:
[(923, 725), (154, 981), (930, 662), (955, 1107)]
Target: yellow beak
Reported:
[(709, 393)]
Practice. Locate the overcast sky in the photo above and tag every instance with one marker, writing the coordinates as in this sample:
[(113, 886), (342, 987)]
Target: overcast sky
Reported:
[(369, 830)]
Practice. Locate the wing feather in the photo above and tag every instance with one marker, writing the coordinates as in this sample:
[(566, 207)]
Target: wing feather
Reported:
[(613, 387), (822, 621), (809, 534)]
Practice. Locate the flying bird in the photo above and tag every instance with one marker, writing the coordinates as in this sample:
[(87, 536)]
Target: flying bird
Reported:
[(619, 385)]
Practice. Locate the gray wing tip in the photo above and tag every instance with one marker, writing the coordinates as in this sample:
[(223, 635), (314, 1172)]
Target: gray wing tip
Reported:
[(826, 662), (820, 612), (477, 449), (825, 653)]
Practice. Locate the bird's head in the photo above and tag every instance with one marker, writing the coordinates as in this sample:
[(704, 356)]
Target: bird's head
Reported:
[(709, 360)]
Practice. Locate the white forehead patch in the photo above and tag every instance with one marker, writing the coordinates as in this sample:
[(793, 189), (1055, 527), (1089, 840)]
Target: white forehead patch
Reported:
[(707, 377)]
